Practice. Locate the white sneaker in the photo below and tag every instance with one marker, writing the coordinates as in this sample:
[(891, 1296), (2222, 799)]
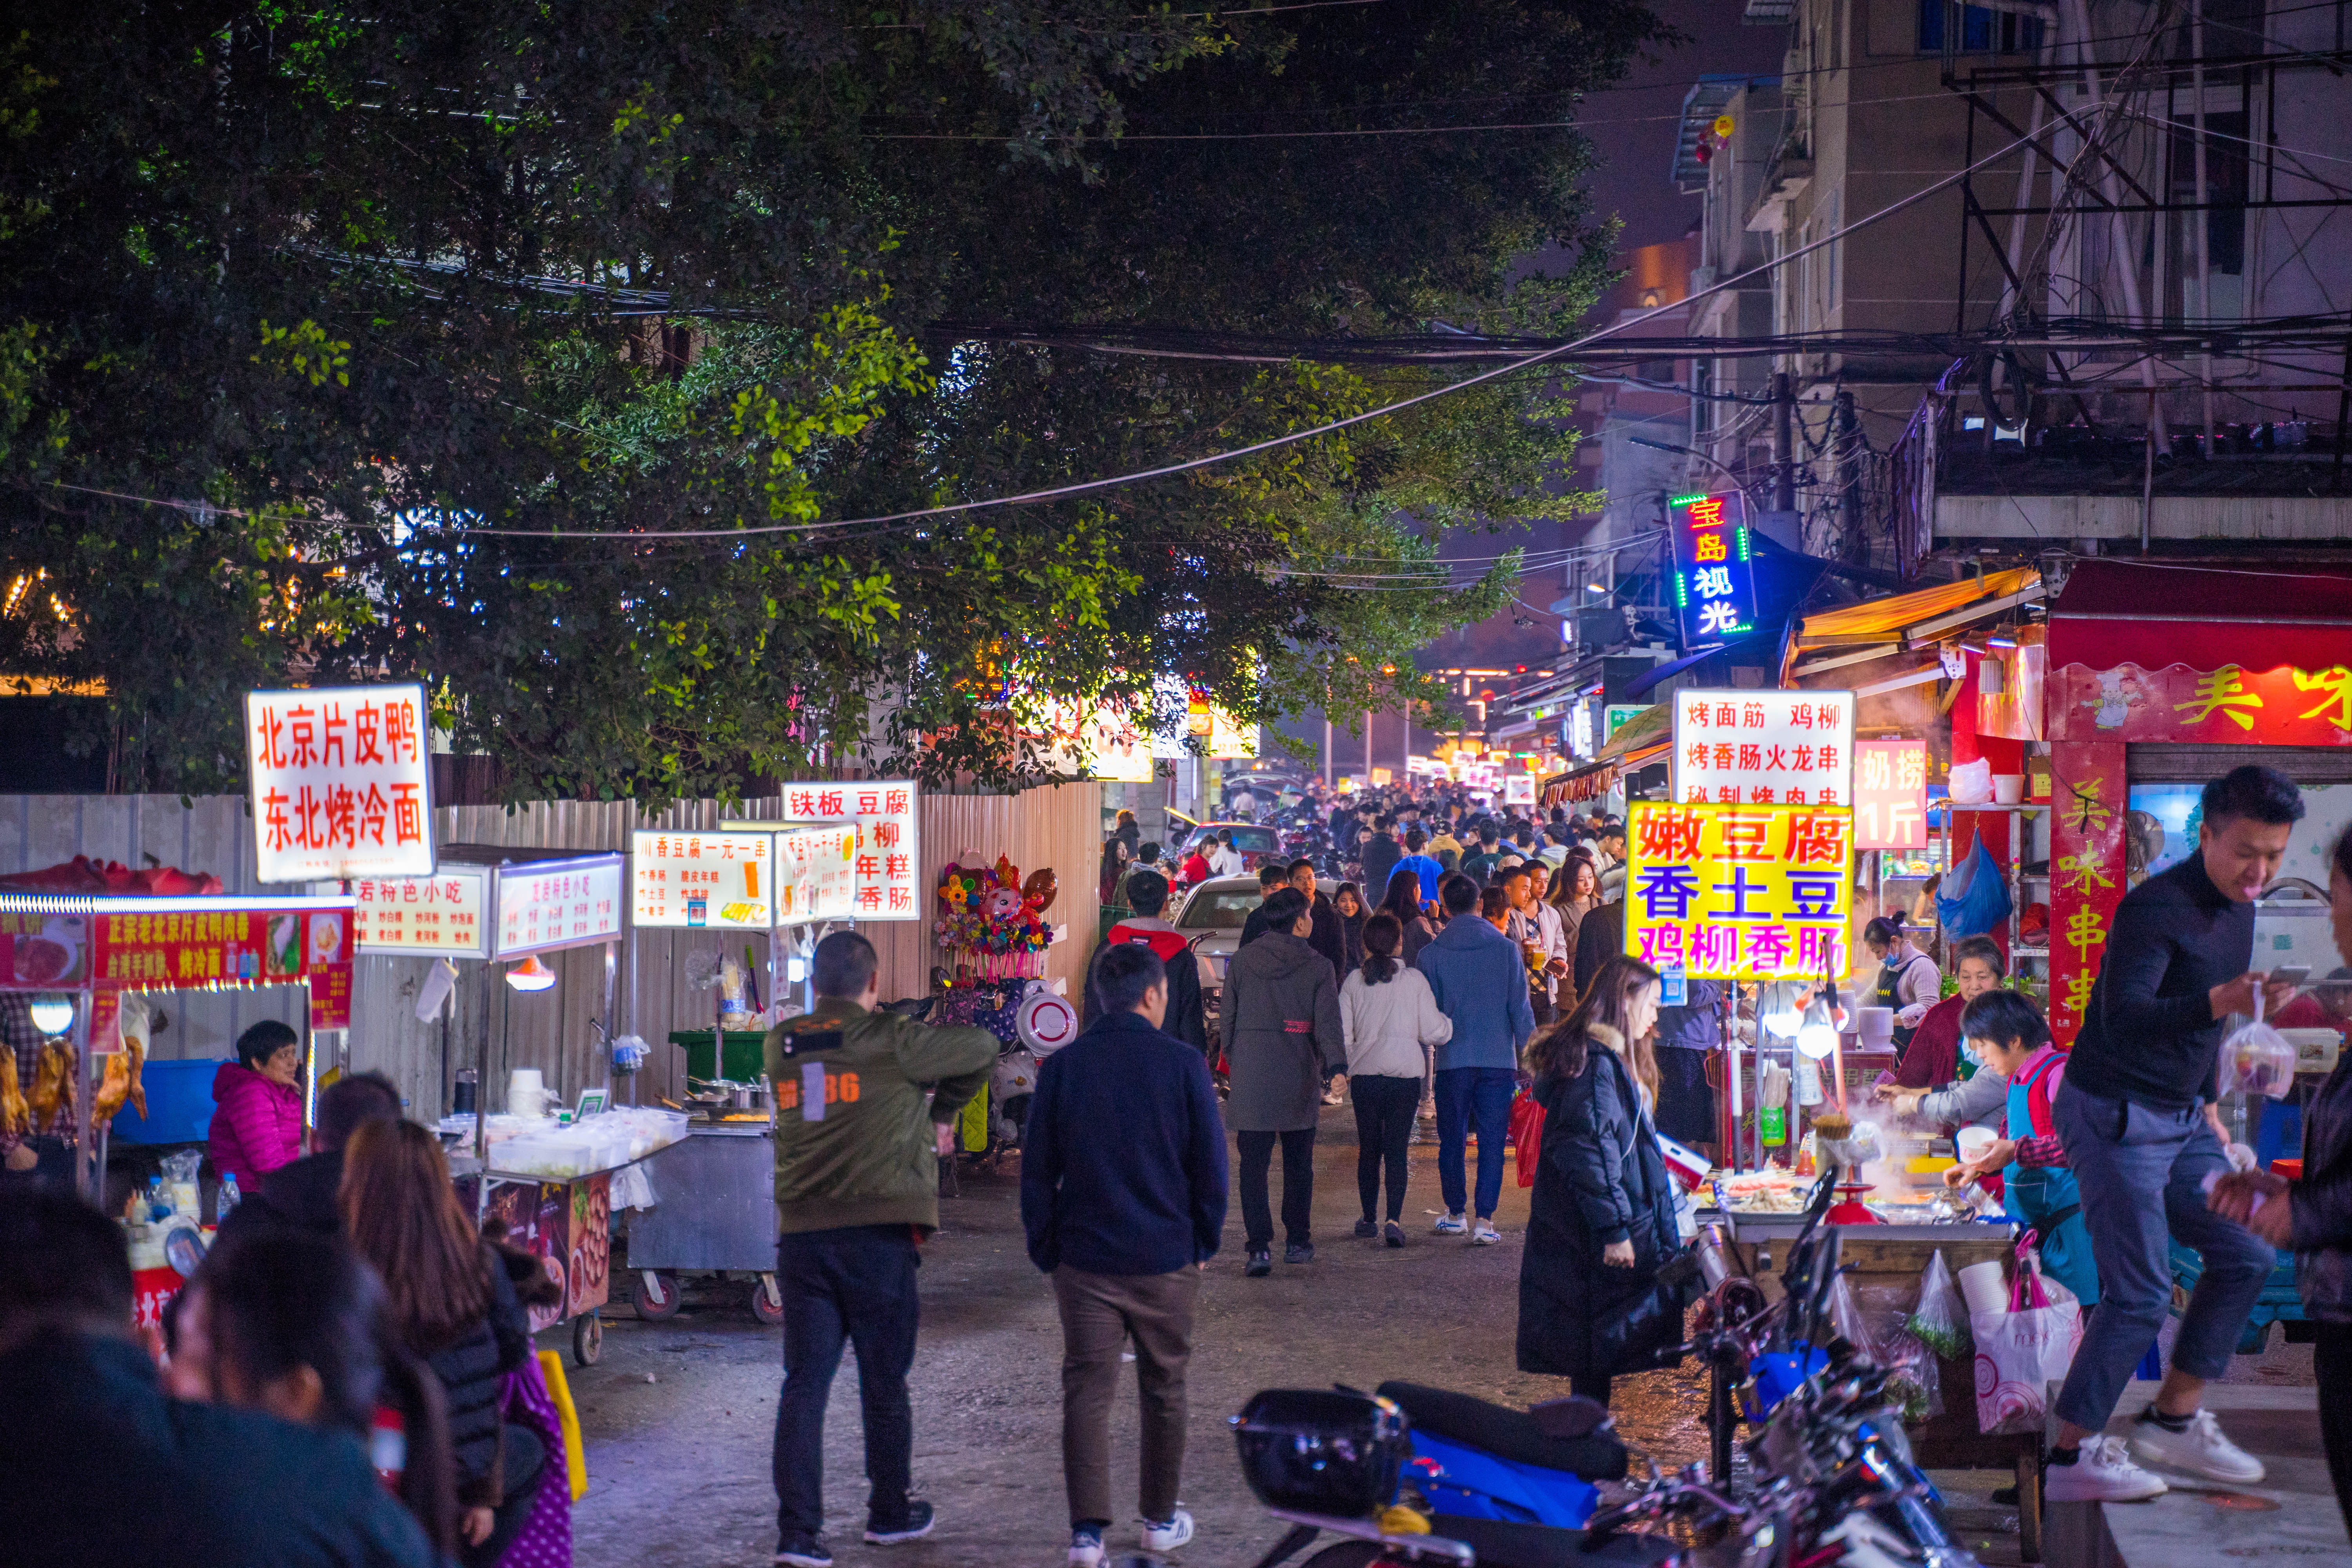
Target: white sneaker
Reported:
[(2200, 1451), (1450, 1225), (2103, 1473), (1169, 1536), (1485, 1234)]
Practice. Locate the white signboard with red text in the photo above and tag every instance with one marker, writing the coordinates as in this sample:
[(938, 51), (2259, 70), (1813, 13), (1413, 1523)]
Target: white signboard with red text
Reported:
[(341, 783), (443, 912), (722, 881), (816, 874), (1763, 748), (557, 904), (885, 864)]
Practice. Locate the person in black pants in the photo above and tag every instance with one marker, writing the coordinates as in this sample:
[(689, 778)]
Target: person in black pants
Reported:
[(1387, 1014), (1280, 1018)]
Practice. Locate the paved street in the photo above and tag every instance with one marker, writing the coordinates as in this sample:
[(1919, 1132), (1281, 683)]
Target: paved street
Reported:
[(678, 1467)]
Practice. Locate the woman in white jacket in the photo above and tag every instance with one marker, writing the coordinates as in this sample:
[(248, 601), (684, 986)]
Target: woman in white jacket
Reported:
[(1386, 1014)]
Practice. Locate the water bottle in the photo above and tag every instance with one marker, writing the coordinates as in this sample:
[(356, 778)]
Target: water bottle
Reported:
[(226, 1199)]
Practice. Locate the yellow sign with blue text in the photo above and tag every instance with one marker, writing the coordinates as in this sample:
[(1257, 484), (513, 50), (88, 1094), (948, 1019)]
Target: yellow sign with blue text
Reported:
[(1739, 892)]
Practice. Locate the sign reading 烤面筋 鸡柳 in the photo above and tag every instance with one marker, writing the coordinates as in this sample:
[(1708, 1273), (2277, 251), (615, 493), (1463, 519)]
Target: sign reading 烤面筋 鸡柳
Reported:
[(1764, 748)]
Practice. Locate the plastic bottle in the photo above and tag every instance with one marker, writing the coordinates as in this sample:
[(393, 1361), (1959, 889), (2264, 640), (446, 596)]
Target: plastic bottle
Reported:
[(226, 1199)]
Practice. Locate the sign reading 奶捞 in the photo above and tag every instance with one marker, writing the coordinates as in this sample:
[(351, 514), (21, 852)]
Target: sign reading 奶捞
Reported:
[(1890, 794), (1764, 748), (341, 784), (725, 881), (563, 903), (816, 874), (440, 913), (1739, 892), (1715, 581), (887, 856)]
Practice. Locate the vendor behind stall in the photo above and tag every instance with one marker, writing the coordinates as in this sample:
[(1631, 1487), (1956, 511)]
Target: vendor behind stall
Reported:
[(2007, 1033), (1933, 1057), (1908, 980), (257, 1123)]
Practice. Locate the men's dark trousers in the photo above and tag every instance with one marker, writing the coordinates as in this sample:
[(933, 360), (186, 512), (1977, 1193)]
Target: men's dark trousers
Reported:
[(1384, 1107), (855, 1284), (2332, 1362), (1297, 1186)]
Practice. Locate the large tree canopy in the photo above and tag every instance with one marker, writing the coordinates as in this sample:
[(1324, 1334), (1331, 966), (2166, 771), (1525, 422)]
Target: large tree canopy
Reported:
[(330, 343)]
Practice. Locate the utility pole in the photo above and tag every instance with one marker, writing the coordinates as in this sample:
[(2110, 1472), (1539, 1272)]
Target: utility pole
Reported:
[(1784, 447), (1368, 748), (1849, 462), (1327, 751)]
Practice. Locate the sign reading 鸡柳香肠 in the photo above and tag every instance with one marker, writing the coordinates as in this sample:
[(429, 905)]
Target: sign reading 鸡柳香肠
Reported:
[(722, 881), (816, 874), (1715, 581), (1763, 748), (1890, 794), (441, 913), (1739, 892), (341, 784)]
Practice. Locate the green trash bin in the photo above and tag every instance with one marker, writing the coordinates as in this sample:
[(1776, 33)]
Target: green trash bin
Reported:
[(743, 1058), (1111, 915)]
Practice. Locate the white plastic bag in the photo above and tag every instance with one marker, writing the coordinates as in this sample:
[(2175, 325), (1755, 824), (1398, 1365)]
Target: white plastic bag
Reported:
[(2257, 1058), (2020, 1352), (1971, 783)]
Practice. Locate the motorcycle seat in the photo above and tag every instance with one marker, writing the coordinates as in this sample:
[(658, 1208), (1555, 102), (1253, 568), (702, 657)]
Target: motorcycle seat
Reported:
[(1506, 1433), (1508, 1543)]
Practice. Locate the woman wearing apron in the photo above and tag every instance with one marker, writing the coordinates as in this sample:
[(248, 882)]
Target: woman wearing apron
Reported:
[(1908, 980), (2006, 1031)]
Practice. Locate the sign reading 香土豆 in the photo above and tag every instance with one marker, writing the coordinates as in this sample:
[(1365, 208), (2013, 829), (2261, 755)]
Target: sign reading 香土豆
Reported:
[(341, 783), (1739, 892), (1714, 580)]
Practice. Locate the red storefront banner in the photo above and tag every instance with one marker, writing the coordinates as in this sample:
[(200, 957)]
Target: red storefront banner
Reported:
[(229, 947)]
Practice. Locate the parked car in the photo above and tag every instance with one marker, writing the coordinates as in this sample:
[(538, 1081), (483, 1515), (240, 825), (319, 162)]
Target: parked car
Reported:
[(1256, 841)]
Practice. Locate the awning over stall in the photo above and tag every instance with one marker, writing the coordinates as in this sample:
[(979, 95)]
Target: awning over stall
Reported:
[(2155, 613), (1641, 739)]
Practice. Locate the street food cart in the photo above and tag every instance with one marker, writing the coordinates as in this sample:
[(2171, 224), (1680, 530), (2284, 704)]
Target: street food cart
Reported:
[(714, 1209)]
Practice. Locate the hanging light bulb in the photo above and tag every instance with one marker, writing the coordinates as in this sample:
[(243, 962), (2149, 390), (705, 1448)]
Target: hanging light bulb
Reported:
[(530, 974), (1817, 1037), (52, 1015), (1779, 1018)]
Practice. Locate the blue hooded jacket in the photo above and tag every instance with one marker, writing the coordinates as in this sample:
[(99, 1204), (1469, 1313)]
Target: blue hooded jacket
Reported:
[(1481, 984)]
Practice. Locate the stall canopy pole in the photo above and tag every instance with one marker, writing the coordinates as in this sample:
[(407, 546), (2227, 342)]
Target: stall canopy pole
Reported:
[(482, 1070), (612, 991), (84, 1146)]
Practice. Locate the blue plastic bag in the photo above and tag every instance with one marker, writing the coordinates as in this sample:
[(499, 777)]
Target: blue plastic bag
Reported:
[(1973, 897)]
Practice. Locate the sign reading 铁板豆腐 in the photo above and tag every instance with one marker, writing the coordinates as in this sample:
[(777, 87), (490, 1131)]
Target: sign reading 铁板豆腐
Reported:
[(341, 783), (1739, 892)]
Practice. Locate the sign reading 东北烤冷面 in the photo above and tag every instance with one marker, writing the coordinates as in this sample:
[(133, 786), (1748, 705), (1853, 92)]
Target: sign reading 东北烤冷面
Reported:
[(1763, 748), (1715, 584), (1739, 892), (341, 784)]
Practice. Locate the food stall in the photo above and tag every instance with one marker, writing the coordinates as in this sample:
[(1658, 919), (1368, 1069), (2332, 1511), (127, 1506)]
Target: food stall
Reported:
[(716, 1211), (82, 956)]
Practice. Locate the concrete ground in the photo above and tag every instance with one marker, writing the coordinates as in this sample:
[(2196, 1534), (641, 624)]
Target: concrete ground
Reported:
[(677, 1416)]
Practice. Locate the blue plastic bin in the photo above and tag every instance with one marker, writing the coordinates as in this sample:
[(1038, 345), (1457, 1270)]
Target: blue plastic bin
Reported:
[(179, 1104)]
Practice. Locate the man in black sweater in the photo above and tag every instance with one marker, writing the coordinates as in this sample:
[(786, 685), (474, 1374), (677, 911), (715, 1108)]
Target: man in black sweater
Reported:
[(2138, 1117), (1380, 858), (1123, 1198)]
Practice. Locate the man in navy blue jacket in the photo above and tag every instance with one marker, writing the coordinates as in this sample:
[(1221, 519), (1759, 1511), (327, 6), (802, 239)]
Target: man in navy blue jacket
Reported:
[(1123, 1197)]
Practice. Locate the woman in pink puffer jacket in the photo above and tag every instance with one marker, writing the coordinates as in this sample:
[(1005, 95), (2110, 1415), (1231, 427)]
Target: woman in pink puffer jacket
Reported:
[(257, 1105)]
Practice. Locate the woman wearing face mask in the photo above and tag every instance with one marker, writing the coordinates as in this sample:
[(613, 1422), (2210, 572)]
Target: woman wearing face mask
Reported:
[(1601, 1220), (293, 1325), (1933, 1057), (453, 1303), (2313, 1215)]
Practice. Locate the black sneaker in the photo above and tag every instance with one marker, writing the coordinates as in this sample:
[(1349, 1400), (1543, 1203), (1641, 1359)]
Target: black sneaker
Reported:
[(1367, 1229), (1261, 1263), (806, 1551), (913, 1525), (1297, 1253)]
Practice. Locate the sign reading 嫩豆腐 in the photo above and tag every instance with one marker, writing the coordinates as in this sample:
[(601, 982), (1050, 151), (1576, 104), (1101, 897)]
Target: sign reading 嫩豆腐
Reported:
[(1764, 748), (1739, 892), (341, 784), (1714, 580)]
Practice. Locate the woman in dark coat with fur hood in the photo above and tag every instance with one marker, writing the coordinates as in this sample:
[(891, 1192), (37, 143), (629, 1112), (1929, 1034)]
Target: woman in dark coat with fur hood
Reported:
[(1601, 1220)]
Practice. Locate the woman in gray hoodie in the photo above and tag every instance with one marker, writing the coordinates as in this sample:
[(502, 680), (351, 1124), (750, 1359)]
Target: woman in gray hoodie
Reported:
[(1280, 1018)]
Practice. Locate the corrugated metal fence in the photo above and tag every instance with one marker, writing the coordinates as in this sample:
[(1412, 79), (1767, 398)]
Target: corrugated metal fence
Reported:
[(1058, 828)]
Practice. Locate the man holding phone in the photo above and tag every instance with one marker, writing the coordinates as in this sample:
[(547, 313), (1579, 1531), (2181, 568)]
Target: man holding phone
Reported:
[(2138, 1120)]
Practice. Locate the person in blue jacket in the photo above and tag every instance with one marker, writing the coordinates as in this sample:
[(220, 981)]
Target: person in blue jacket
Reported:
[(1479, 978)]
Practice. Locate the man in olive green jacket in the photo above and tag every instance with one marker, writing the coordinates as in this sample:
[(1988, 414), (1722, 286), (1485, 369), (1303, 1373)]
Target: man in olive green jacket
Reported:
[(856, 1187)]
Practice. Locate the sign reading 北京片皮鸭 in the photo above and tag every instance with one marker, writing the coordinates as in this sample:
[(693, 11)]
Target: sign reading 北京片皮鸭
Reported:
[(341, 784)]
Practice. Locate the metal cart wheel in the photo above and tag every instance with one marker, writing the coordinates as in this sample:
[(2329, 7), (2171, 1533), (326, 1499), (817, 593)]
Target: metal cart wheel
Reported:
[(588, 1338), (767, 1301), (656, 1294)]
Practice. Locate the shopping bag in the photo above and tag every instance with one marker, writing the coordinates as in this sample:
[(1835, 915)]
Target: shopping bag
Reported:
[(1940, 1320), (1973, 897), (1527, 1134), (2020, 1352)]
